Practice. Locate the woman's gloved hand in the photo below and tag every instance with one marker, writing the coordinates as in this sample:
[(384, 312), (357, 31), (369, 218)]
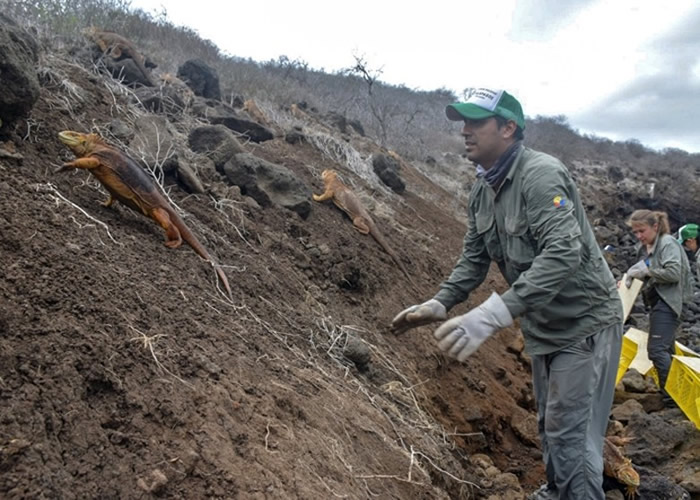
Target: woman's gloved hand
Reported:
[(640, 271)]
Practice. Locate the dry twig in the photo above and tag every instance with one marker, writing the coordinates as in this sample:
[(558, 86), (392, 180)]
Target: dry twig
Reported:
[(58, 197), (148, 344)]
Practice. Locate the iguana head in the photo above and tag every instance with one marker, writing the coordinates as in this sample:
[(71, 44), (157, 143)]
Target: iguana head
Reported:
[(329, 174), (81, 144), (90, 31)]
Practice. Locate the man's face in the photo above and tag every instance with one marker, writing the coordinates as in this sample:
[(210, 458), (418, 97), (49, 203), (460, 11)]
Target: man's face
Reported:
[(485, 142), (691, 244)]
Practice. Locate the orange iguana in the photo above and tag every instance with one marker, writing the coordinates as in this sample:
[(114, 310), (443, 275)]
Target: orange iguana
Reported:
[(348, 202), (127, 182), (118, 47), (618, 466)]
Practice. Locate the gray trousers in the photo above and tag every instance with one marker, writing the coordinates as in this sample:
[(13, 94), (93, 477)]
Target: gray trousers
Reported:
[(574, 389), (663, 324)]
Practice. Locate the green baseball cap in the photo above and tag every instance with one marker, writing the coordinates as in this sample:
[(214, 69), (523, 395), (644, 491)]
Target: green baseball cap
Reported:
[(687, 232), (484, 103)]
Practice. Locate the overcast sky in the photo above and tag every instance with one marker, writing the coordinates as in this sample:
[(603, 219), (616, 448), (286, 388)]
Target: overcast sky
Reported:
[(623, 69)]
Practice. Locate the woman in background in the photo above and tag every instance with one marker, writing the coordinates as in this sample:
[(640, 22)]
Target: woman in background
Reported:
[(688, 237), (664, 268)]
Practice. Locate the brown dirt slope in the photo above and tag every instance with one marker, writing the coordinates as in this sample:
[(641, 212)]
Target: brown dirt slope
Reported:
[(124, 373)]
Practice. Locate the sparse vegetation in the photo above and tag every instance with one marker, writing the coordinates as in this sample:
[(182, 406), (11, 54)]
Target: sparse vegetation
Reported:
[(408, 121)]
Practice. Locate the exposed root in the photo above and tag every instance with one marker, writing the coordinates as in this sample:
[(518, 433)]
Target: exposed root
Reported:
[(57, 197), (148, 344)]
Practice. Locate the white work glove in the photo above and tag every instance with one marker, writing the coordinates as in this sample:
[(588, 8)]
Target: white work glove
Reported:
[(461, 336), (640, 271), (419, 315)]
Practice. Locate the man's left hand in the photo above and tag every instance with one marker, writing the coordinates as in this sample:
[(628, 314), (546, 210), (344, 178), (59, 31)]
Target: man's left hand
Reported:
[(461, 336)]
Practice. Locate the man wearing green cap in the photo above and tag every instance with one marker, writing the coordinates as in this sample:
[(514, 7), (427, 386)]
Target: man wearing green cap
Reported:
[(525, 214), (688, 237)]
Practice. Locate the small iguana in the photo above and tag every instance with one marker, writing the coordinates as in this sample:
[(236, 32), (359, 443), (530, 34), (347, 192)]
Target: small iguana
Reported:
[(118, 47), (348, 202), (618, 466), (127, 182)]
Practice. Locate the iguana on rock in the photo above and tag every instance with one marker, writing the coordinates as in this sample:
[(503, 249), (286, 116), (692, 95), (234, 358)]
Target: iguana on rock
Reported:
[(118, 47), (252, 108), (348, 202), (618, 466), (127, 182)]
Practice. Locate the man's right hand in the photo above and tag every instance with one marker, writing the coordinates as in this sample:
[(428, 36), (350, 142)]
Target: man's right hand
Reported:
[(419, 315)]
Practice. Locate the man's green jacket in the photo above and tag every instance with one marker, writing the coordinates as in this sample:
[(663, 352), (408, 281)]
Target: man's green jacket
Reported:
[(535, 228)]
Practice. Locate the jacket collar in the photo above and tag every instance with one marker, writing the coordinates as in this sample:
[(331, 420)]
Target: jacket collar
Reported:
[(656, 243), (516, 164)]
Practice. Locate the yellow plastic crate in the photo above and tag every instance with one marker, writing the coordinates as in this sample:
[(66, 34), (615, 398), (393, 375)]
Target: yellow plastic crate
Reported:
[(629, 351), (683, 385), (682, 350), (652, 373), (634, 355)]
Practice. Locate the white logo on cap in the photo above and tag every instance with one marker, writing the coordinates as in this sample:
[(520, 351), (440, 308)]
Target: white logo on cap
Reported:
[(486, 98)]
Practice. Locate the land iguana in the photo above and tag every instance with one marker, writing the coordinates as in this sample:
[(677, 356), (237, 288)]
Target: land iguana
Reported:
[(127, 182), (345, 199), (118, 47), (618, 466)]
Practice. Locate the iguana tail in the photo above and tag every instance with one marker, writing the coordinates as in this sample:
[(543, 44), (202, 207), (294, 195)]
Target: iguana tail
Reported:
[(140, 62), (382, 242), (192, 241)]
